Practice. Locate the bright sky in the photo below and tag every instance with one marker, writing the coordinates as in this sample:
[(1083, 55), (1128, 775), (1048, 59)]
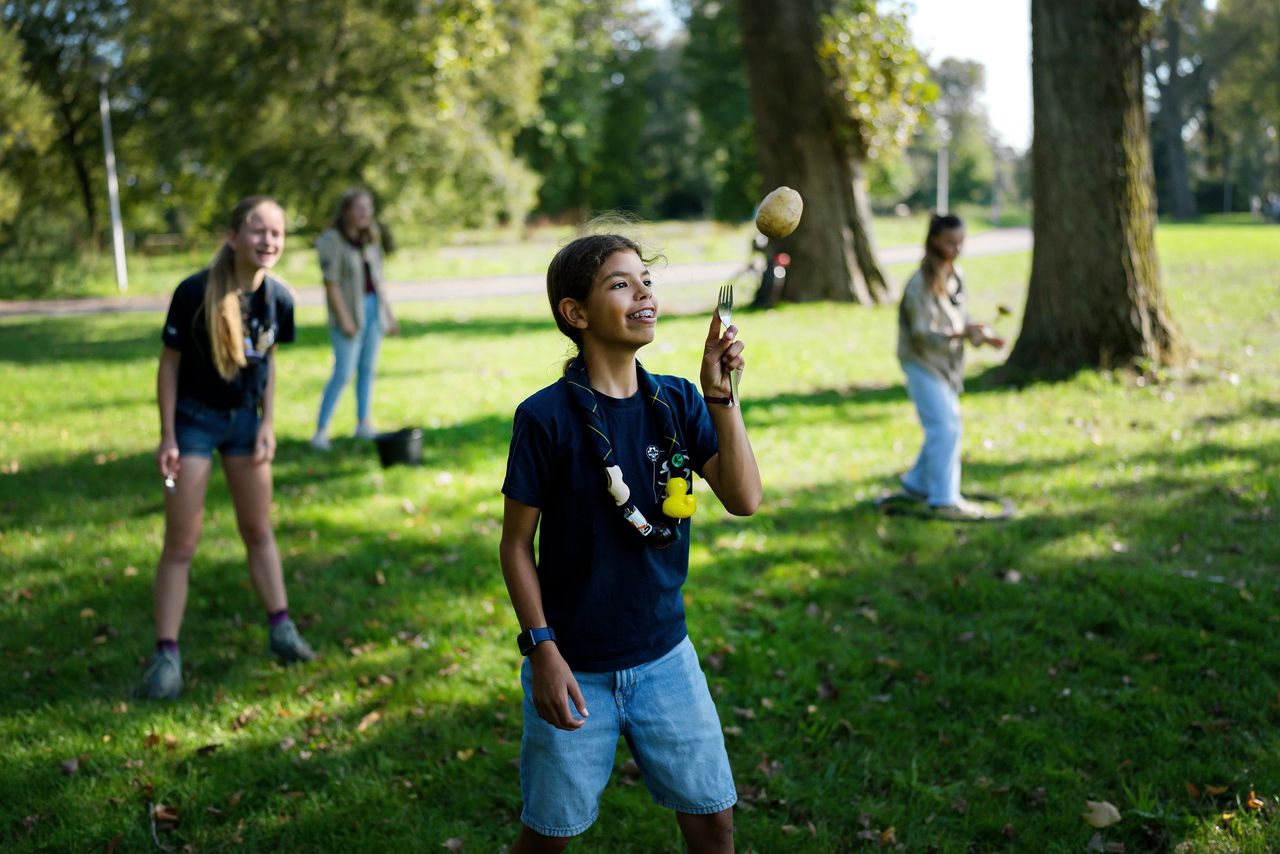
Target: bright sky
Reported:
[(996, 33)]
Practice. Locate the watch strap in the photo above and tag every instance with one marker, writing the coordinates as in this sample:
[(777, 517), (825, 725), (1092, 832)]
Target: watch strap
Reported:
[(530, 638)]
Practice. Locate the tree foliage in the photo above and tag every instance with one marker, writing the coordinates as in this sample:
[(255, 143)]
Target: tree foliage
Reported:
[(614, 128), (713, 62), (879, 85), (26, 120), (65, 44), (1242, 49), (303, 101)]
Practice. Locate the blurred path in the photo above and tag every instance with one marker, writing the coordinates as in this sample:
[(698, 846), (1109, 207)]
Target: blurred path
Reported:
[(675, 278)]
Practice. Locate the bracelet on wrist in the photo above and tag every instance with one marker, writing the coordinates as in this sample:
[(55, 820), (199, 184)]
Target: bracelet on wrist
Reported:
[(719, 401)]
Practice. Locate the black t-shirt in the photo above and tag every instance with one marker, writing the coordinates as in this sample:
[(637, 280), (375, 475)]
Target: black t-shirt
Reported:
[(267, 319), (613, 601)]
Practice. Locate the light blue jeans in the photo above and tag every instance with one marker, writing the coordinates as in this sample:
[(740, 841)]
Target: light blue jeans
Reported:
[(358, 353), (936, 474), (666, 714)]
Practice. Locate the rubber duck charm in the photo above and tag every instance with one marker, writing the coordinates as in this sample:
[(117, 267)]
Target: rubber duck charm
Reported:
[(679, 503)]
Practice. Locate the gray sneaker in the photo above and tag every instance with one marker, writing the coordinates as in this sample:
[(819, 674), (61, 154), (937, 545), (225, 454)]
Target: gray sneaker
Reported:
[(963, 510), (163, 677), (287, 645)]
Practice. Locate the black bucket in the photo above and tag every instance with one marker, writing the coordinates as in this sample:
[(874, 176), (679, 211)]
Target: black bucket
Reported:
[(402, 447)]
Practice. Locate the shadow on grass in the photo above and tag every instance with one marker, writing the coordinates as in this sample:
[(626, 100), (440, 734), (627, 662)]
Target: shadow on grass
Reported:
[(60, 339), (908, 675)]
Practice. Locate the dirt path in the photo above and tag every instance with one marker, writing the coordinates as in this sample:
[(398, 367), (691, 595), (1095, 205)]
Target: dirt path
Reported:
[(676, 278)]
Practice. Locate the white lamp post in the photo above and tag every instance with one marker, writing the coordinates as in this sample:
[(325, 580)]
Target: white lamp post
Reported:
[(113, 188), (944, 137)]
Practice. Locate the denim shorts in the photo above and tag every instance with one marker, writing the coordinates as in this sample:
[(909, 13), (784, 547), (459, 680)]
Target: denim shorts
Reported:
[(666, 714), (200, 428)]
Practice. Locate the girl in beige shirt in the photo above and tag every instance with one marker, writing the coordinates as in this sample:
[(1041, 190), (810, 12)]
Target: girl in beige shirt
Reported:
[(933, 324)]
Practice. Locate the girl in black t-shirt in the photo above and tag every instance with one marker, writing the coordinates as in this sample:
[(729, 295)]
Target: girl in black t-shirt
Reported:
[(216, 390)]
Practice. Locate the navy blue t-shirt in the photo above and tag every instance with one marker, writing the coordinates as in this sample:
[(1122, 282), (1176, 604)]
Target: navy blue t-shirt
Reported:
[(266, 316), (613, 601)]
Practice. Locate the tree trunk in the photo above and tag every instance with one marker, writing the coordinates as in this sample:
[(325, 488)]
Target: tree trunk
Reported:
[(1094, 299), (1172, 109), (73, 145), (799, 145)]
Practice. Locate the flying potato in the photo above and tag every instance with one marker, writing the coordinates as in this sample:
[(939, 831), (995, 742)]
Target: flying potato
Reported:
[(779, 213)]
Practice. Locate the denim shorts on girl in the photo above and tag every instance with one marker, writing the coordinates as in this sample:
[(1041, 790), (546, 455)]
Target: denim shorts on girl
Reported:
[(664, 711), (199, 428)]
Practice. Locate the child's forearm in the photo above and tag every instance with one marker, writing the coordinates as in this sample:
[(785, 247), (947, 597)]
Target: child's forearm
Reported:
[(521, 577), (740, 489)]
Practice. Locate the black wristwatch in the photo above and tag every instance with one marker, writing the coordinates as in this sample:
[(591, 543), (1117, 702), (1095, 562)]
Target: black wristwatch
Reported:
[(530, 638)]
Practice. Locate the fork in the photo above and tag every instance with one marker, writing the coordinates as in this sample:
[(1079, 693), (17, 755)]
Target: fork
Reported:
[(724, 308)]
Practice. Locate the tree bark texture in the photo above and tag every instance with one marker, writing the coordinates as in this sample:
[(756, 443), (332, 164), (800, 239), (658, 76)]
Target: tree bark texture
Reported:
[(800, 145), (1094, 298)]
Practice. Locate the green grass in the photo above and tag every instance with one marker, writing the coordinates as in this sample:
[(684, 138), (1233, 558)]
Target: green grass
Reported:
[(482, 252), (871, 672)]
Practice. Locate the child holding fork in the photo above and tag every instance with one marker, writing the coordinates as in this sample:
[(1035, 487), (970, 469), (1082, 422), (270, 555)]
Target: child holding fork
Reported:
[(603, 461)]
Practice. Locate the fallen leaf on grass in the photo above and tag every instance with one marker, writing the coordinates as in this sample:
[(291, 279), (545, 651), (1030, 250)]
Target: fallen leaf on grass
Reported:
[(1214, 790), (1192, 790), (888, 836), (379, 579), (235, 798), (69, 766), (165, 814), (1100, 814), (454, 843), (369, 720), (151, 739), (245, 717), (1253, 803), (465, 754), (768, 767)]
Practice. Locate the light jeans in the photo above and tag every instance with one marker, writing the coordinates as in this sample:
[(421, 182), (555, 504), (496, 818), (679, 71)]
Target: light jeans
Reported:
[(358, 353), (665, 712), (936, 474)]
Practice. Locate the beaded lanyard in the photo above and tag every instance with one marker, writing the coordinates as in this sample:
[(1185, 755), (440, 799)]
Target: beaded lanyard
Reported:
[(657, 535)]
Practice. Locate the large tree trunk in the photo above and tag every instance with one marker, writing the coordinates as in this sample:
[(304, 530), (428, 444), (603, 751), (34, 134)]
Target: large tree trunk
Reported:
[(800, 146), (1094, 299)]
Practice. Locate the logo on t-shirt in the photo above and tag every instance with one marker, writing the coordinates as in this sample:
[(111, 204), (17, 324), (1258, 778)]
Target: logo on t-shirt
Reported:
[(652, 453)]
